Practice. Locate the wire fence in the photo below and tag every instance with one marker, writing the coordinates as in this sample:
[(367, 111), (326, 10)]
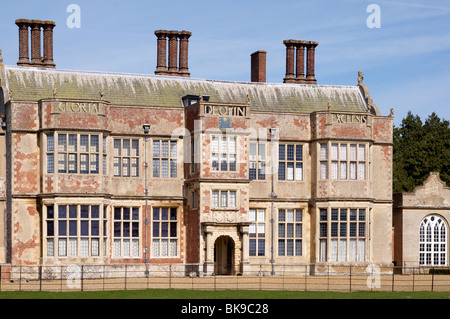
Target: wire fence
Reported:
[(260, 277)]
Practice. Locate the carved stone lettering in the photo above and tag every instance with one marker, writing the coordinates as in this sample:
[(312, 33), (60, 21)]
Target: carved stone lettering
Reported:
[(79, 107), (350, 118), (225, 110)]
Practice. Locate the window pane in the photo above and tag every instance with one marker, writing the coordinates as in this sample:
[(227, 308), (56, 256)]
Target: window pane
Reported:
[(281, 171), (299, 153), (165, 148), (84, 163), (84, 211), (62, 142), (334, 151), (223, 199), (155, 167), (290, 171), (72, 143), (361, 152), (84, 143), (323, 151), (281, 152), (117, 148), (126, 148), (156, 148), (232, 199), (50, 163), (84, 228), (135, 148), (290, 152), (50, 143)]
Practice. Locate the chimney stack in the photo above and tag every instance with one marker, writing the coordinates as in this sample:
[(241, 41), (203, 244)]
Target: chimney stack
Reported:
[(37, 60), (178, 62), (295, 61), (258, 66)]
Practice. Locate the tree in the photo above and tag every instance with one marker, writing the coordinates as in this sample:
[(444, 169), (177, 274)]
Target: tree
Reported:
[(420, 148)]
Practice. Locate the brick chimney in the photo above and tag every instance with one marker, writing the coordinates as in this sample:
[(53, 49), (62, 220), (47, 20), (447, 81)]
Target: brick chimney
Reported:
[(37, 60), (258, 66), (178, 61), (295, 61)]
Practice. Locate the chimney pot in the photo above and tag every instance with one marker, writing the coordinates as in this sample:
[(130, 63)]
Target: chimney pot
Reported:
[(258, 66), (295, 50), (36, 57), (178, 62)]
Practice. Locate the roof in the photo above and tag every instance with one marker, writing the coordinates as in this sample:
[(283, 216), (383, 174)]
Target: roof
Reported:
[(33, 84)]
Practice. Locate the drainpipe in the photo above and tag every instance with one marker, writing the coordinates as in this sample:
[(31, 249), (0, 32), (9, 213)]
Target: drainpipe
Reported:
[(272, 132), (146, 128)]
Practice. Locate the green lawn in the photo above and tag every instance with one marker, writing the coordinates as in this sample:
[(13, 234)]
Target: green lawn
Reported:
[(225, 294)]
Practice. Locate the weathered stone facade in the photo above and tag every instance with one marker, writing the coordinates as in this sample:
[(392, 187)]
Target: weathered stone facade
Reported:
[(231, 175)]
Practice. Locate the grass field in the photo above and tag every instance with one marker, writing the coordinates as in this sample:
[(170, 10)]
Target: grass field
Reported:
[(168, 294)]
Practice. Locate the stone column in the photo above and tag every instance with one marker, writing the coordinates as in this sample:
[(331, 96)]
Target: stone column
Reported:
[(173, 52), (48, 43), (208, 263), (161, 67), (245, 253), (36, 57), (24, 58), (184, 45), (290, 61)]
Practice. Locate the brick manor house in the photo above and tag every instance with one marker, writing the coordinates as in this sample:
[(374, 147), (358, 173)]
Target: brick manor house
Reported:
[(104, 168)]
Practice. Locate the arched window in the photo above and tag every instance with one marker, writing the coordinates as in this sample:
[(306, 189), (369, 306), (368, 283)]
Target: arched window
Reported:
[(433, 241)]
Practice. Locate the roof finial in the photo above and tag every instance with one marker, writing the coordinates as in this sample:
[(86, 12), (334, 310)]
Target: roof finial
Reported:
[(360, 77)]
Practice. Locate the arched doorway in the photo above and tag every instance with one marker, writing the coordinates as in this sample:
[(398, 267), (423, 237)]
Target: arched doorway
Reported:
[(224, 255)]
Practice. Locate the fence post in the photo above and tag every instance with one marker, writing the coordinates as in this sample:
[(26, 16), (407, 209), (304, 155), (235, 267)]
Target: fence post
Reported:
[(393, 278), (126, 273), (306, 278), (328, 277), (170, 276), (20, 278), (40, 277), (432, 279), (82, 278), (350, 278)]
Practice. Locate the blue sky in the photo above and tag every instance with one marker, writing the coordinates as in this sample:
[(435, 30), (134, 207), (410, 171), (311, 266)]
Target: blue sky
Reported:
[(406, 62)]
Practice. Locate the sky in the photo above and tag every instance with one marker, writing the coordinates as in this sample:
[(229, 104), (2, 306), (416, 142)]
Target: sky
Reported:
[(401, 46)]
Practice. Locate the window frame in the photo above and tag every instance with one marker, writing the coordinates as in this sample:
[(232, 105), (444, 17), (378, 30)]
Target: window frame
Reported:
[(433, 243), (297, 234), (156, 241), (133, 157), (219, 196), (257, 239), (337, 242), (334, 164), (68, 225), (61, 159), (284, 161), (159, 157), (122, 238), (258, 160), (221, 159)]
